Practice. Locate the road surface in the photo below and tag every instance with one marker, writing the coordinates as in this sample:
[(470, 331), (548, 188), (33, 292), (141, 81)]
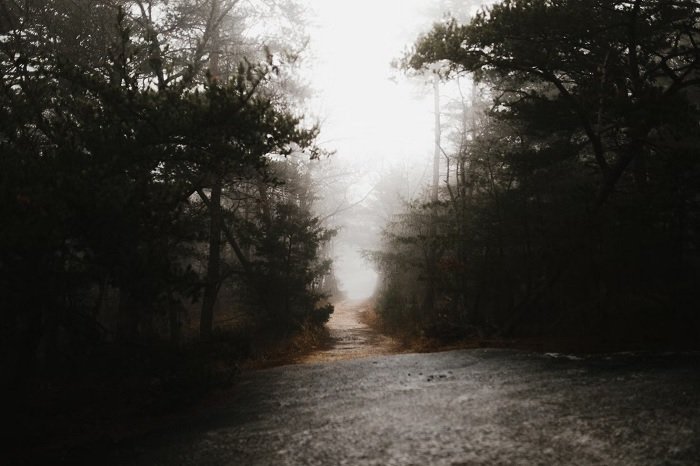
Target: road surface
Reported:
[(463, 407)]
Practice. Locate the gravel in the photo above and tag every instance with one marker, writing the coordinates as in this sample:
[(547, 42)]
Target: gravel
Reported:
[(484, 406)]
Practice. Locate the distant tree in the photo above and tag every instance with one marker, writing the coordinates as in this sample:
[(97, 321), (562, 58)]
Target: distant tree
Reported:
[(288, 262), (573, 206), (619, 69)]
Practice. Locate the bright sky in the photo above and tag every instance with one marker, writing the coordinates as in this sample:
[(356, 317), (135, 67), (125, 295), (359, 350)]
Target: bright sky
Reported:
[(370, 115), (366, 116)]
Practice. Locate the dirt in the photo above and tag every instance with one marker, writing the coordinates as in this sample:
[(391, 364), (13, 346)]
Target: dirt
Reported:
[(351, 337)]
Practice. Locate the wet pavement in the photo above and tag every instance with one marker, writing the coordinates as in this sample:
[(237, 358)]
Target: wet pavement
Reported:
[(463, 407)]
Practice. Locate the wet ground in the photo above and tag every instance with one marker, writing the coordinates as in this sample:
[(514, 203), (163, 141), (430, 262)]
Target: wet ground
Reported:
[(452, 408)]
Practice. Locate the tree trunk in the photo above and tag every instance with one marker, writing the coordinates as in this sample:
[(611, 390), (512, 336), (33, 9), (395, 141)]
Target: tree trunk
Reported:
[(128, 316), (437, 149), (211, 286)]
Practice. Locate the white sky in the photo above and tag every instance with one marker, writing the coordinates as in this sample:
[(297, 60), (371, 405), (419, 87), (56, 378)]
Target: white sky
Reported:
[(365, 115), (371, 115)]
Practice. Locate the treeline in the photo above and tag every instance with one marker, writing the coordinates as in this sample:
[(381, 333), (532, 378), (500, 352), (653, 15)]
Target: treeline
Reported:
[(152, 164), (570, 207)]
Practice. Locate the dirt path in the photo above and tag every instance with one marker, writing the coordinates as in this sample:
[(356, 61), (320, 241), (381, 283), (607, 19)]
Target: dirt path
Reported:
[(352, 338)]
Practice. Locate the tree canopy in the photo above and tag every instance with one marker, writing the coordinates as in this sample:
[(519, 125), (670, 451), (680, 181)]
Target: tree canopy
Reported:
[(571, 207), (127, 128)]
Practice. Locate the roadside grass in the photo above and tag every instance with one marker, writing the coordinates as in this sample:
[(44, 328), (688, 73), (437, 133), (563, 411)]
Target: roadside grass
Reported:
[(412, 338), (292, 349)]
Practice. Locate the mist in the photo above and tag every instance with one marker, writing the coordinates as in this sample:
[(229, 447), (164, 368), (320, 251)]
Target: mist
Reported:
[(377, 122), (365, 232)]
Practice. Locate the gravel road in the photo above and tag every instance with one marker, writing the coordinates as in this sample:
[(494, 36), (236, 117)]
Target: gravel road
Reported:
[(463, 407)]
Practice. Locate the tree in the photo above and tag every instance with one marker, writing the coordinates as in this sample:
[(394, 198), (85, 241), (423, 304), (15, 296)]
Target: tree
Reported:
[(574, 205), (606, 64), (104, 141)]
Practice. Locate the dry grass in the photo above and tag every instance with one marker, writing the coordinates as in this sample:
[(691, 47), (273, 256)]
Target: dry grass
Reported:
[(370, 318), (414, 341), (291, 350)]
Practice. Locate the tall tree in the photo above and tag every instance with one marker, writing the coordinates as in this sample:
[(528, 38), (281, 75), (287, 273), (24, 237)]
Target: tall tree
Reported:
[(578, 189), (102, 145), (605, 63)]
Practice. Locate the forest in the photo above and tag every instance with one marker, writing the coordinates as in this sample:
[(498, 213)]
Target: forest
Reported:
[(569, 206), (166, 216), (157, 222)]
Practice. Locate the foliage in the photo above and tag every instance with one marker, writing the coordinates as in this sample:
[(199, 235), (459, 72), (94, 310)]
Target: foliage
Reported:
[(109, 128), (573, 207), (287, 239)]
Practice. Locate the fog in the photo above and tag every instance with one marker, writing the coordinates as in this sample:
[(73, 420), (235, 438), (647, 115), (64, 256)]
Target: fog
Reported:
[(192, 192), (372, 117)]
